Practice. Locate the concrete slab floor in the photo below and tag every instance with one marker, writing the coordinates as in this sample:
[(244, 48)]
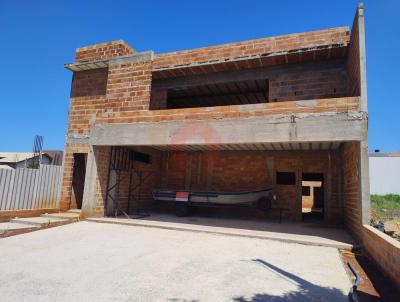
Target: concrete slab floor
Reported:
[(41, 221), (88, 261), (303, 233)]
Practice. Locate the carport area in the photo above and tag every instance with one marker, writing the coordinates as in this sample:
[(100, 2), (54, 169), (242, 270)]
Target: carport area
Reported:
[(307, 178), (90, 261)]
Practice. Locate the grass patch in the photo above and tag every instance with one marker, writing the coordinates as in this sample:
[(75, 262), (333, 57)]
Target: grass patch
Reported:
[(385, 207)]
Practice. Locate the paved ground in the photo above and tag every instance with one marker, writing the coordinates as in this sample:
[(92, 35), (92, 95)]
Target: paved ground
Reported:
[(89, 261), (306, 233)]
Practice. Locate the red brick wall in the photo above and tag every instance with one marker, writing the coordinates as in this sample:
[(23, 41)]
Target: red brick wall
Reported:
[(289, 196), (102, 154), (351, 187), (103, 51), (239, 172), (253, 47), (173, 171), (158, 99), (232, 111), (150, 180), (88, 99), (89, 83), (128, 87), (247, 170), (353, 63), (384, 250), (326, 83)]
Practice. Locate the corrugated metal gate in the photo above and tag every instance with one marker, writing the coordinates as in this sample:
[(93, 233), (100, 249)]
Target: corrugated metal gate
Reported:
[(25, 188)]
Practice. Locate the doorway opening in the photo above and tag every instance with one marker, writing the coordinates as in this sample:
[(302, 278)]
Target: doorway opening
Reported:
[(78, 180), (312, 197)]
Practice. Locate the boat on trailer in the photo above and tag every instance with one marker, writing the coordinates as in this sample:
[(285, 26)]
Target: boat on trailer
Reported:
[(210, 198)]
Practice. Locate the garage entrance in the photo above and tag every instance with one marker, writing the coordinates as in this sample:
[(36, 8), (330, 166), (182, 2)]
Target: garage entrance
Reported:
[(305, 179)]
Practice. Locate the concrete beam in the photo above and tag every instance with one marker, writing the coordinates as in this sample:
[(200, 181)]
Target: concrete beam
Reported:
[(324, 127)]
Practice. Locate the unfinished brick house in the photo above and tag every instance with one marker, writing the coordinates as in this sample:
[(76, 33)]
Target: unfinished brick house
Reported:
[(287, 111)]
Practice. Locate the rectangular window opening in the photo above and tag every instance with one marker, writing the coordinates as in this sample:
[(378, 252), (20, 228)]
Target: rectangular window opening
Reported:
[(285, 178), (237, 92), (140, 157)]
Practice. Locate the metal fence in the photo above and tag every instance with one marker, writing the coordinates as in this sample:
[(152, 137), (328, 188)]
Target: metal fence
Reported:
[(25, 188)]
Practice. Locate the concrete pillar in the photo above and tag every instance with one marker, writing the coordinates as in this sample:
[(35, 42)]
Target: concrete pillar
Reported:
[(364, 183), (89, 192), (95, 181)]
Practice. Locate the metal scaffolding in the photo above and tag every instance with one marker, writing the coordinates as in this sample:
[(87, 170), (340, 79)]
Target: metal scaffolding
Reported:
[(122, 160)]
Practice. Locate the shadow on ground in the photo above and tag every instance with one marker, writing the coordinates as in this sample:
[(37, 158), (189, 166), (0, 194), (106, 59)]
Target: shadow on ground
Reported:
[(306, 292)]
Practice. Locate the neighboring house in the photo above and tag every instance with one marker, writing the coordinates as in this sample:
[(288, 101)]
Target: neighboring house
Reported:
[(384, 173), (234, 117), (56, 156), (13, 160)]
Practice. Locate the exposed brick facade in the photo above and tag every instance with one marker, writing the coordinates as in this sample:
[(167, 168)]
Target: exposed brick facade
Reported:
[(121, 92), (113, 84)]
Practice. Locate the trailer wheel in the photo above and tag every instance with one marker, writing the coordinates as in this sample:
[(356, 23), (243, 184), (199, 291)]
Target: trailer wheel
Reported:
[(264, 203), (181, 209)]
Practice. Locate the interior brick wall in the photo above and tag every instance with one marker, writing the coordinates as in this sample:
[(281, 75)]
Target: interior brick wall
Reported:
[(247, 170), (89, 83), (150, 179), (326, 83)]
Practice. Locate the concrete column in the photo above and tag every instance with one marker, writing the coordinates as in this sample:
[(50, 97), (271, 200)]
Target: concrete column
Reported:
[(364, 183), (89, 193), (95, 181)]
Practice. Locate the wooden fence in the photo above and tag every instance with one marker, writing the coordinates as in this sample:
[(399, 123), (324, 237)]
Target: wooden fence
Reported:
[(24, 188)]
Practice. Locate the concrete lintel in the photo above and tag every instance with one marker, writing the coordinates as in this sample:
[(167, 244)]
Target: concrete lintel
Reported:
[(103, 63), (75, 138), (135, 58), (278, 128)]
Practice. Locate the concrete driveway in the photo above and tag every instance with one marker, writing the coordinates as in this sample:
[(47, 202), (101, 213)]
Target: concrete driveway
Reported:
[(90, 261)]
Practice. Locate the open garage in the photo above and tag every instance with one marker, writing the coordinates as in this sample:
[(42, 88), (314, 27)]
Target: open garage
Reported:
[(306, 178)]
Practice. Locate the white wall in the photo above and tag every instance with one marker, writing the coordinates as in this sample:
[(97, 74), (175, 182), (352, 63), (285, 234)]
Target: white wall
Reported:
[(384, 173)]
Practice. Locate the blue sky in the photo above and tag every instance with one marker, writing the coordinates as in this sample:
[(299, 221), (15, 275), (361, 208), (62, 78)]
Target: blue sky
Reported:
[(38, 37)]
